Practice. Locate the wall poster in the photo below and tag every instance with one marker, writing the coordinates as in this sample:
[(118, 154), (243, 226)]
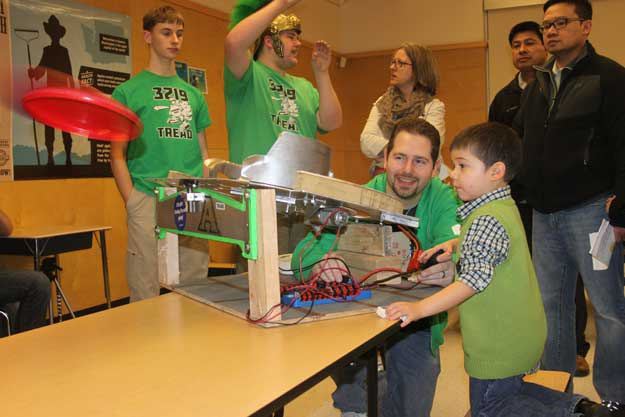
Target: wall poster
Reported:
[(197, 78), (182, 69), (61, 43)]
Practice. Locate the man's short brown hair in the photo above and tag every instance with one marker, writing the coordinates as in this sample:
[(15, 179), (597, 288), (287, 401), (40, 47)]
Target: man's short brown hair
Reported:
[(416, 126), (163, 14)]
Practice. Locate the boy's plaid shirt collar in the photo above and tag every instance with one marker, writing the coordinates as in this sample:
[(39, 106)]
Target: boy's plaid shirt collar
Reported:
[(498, 194)]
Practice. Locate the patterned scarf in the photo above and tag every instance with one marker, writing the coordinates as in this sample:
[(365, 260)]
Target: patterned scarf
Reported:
[(393, 107)]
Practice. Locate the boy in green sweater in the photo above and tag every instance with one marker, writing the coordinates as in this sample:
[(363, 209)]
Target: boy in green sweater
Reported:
[(501, 311)]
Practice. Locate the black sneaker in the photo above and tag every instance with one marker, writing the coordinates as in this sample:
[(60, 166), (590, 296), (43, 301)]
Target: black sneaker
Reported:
[(616, 408), (606, 409)]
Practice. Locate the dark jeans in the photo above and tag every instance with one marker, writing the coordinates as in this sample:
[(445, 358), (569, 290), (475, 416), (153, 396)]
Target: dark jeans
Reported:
[(411, 375), (513, 397), (32, 290)]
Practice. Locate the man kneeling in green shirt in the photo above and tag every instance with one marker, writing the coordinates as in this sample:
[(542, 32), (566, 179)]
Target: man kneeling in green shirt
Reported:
[(412, 361)]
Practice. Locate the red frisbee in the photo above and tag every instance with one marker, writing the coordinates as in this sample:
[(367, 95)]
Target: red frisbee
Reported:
[(83, 111)]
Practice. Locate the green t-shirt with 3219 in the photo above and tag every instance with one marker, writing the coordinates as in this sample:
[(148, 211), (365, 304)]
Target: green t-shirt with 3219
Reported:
[(264, 103), (173, 113)]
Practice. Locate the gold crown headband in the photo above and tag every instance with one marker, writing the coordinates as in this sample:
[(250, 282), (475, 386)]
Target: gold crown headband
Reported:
[(285, 22), (281, 23)]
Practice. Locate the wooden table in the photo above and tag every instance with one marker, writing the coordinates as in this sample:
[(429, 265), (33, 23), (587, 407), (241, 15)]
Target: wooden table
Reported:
[(172, 356), (42, 241)]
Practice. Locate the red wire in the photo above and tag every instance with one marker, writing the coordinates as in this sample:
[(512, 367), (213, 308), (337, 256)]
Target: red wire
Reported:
[(410, 236), (310, 289), (264, 318), (310, 285), (308, 246), (413, 264), (377, 271)]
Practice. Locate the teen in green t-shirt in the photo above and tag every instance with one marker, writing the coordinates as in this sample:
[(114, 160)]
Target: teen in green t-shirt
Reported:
[(262, 99), (174, 116)]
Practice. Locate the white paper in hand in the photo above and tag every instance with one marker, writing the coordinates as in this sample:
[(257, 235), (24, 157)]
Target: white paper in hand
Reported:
[(602, 245)]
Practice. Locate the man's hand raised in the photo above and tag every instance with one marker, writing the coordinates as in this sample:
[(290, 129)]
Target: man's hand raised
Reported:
[(321, 56)]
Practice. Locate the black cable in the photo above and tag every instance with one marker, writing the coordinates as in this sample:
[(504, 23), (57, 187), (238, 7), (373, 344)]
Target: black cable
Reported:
[(412, 287), (399, 274), (380, 283)]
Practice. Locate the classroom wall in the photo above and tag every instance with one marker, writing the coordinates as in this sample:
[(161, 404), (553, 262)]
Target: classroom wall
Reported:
[(320, 19), (373, 25), (368, 25), (96, 201)]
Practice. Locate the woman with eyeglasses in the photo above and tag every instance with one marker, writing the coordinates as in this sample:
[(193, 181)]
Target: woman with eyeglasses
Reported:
[(413, 85)]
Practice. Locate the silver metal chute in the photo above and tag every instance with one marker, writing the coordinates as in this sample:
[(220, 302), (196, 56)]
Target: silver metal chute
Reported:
[(220, 166), (290, 153)]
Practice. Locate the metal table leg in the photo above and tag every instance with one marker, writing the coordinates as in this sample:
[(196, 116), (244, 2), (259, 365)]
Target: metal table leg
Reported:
[(105, 269), (372, 382), (60, 295), (37, 267)]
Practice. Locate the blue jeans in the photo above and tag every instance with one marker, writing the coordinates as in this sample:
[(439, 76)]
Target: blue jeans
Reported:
[(561, 247), (411, 374), (512, 397), (32, 290)]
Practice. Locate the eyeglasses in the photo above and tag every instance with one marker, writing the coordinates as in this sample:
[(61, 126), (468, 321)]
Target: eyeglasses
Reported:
[(559, 23), (399, 64)]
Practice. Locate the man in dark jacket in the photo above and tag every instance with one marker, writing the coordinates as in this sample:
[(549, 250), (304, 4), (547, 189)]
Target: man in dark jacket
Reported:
[(573, 124), (528, 50), (526, 42)]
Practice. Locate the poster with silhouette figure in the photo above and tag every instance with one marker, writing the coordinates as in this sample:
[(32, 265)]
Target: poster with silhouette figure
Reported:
[(61, 43)]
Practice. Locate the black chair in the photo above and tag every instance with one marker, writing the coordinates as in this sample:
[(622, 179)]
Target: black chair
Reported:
[(5, 317)]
